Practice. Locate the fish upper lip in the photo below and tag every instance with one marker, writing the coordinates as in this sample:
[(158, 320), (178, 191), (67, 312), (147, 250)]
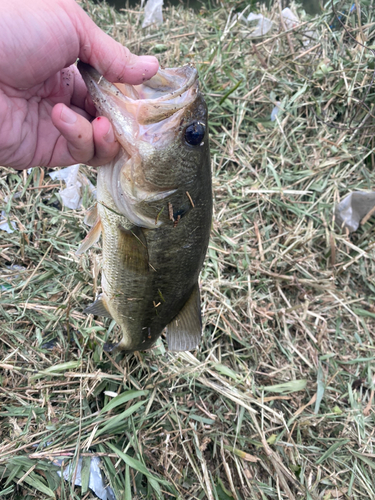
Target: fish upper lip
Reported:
[(191, 76)]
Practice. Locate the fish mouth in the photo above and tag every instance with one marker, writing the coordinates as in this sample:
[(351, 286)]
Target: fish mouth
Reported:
[(134, 109), (165, 85)]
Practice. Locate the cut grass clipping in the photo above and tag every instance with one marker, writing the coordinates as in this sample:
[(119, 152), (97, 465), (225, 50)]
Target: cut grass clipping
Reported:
[(276, 402)]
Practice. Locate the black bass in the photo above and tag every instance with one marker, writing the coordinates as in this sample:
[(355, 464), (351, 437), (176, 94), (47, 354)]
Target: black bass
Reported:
[(154, 207)]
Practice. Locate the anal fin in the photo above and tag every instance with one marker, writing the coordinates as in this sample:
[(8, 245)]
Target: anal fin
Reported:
[(91, 238), (185, 330), (98, 308)]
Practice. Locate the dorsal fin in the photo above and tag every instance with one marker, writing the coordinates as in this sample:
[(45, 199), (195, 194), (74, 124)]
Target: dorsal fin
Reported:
[(185, 330)]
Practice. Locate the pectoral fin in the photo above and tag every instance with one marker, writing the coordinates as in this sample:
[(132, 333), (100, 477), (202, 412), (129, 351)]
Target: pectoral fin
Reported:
[(91, 238), (133, 249), (91, 216), (98, 308), (185, 330)]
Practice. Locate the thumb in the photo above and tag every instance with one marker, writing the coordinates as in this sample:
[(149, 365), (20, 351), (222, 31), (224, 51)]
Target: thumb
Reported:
[(114, 61)]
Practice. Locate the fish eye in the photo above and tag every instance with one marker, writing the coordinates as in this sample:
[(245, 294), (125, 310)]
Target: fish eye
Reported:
[(194, 133)]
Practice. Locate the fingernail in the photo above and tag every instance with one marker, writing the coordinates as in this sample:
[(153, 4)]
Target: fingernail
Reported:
[(68, 116), (109, 136)]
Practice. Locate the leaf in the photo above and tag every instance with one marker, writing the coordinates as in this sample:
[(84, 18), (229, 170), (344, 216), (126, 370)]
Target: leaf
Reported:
[(7, 491), (116, 420), (287, 387), (272, 439), (36, 483), (128, 492), (331, 450), (204, 420), (123, 398), (85, 474), (366, 460), (14, 472), (224, 370), (156, 487), (230, 91), (242, 454), (222, 492), (135, 464), (363, 312), (320, 389), (57, 369)]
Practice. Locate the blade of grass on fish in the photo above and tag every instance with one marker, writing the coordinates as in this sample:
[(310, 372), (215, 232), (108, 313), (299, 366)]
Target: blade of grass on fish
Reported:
[(123, 398), (286, 387), (114, 422), (110, 209)]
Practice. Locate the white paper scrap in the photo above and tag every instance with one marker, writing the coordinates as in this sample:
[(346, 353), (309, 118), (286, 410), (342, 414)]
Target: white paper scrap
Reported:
[(71, 196)]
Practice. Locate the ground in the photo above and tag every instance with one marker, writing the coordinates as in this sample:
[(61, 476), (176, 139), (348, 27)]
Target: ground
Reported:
[(276, 402)]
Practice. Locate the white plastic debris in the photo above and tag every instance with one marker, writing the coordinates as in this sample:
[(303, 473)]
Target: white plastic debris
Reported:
[(96, 483), (4, 224), (275, 111), (262, 26), (353, 208), (153, 13), (71, 196), (290, 19)]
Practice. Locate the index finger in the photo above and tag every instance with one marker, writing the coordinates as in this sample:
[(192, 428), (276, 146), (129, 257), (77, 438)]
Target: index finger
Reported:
[(114, 61)]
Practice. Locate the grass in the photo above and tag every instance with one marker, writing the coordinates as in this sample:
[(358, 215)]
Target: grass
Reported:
[(276, 402)]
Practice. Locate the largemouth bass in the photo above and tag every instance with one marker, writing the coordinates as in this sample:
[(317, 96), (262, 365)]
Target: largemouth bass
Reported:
[(154, 207)]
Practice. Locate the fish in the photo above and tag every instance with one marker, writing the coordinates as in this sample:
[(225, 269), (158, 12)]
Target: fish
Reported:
[(154, 208)]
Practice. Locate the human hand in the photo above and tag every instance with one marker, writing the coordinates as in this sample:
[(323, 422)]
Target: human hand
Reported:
[(44, 104)]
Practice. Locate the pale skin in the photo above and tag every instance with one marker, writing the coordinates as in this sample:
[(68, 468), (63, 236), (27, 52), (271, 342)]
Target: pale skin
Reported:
[(46, 115)]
